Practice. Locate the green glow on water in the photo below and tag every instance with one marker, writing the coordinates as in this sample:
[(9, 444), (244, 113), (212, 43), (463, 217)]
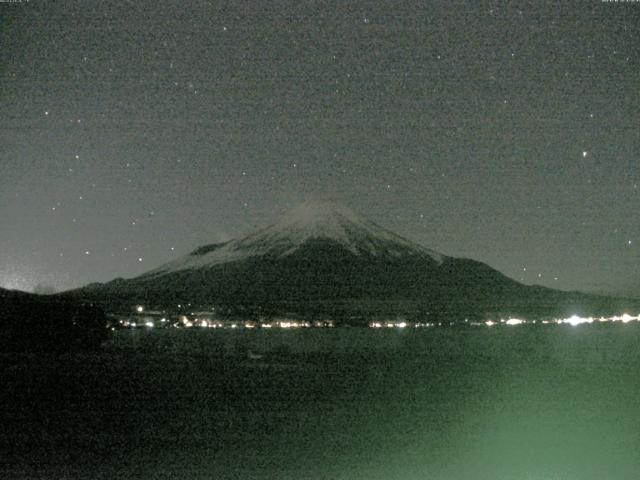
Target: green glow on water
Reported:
[(495, 404)]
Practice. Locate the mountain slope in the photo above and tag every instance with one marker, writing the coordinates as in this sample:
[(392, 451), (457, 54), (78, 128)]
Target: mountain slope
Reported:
[(323, 259), (309, 222)]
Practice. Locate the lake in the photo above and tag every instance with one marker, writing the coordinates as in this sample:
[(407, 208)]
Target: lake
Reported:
[(522, 402)]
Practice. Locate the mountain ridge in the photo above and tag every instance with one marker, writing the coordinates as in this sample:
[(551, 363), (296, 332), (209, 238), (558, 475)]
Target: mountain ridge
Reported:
[(308, 221), (325, 260)]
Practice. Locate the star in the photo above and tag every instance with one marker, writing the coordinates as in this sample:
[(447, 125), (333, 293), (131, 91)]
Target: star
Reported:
[(268, 107)]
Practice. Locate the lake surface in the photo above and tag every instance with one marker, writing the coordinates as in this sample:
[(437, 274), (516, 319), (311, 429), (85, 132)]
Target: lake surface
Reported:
[(522, 402)]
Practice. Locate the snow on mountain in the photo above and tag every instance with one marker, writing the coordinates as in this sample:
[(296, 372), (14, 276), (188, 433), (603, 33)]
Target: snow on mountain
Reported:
[(309, 221), (322, 259)]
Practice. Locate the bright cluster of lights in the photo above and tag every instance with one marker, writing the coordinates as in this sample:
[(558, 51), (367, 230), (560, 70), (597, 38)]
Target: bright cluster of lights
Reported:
[(514, 321), (626, 318), (149, 319), (573, 320), (292, 324), (576, 320), (202, 323), (401, 324)]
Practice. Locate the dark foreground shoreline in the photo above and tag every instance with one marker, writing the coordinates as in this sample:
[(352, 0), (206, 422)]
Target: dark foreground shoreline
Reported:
[(350, 404)]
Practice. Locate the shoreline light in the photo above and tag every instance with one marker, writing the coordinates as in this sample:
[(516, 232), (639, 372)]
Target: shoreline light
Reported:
[(626, 318), (575, 320), (152, 318)]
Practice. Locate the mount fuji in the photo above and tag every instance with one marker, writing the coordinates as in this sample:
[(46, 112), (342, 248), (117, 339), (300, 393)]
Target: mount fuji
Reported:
[(323, 259), (311, 223)]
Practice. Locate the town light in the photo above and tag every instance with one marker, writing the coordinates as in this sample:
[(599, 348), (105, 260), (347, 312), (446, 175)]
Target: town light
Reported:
[(576, 320), (626, 318)]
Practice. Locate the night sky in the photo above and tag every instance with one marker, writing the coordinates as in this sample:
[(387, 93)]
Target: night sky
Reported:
[(134, 131)]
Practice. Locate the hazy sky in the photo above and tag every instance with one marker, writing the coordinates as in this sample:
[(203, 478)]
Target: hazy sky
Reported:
[(134, 131)]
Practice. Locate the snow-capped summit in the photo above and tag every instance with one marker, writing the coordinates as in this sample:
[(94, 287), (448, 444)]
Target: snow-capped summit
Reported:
[(324, 260), (313, 220), (339, 224), (328, 216)]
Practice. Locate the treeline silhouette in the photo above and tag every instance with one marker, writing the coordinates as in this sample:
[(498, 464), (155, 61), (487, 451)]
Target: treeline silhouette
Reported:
[(38, 323)]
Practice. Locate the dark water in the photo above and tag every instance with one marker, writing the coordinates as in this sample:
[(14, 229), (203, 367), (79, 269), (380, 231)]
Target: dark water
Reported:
[(555, 402)]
